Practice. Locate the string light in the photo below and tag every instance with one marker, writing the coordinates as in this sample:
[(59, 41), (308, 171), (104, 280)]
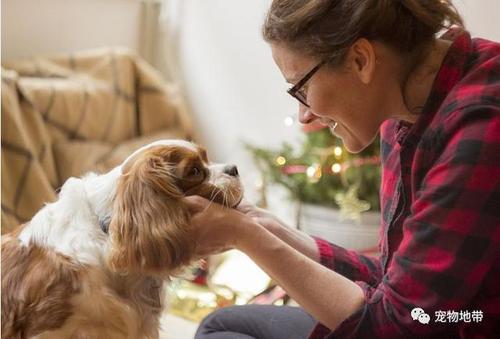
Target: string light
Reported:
[(337, 151), (288, 121), (314, 173), (336, 168), (281, 160), (310, 171)]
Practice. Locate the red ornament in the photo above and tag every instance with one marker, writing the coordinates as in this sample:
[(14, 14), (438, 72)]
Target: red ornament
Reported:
[(294, 169), (201, 274)]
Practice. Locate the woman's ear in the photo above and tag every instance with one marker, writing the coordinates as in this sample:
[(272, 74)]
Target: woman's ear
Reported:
[(362, 60), (149, 226)]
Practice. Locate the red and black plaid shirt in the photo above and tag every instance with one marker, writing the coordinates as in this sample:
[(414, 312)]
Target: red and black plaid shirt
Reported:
[(440, 204)]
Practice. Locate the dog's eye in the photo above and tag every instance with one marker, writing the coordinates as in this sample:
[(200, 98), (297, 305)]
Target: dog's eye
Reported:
[(195, 171)]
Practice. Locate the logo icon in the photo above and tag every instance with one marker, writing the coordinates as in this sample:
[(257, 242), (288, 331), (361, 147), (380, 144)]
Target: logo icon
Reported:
[(419, 314)]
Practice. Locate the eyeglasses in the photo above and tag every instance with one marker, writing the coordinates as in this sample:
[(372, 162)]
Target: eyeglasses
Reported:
[(297, 91)]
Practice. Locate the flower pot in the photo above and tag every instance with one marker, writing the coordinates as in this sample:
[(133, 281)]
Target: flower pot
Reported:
[(328, 223)]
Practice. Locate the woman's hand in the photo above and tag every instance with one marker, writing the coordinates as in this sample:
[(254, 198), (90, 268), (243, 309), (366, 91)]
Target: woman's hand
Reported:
[(293, 237), (216, 228), (260, 216)]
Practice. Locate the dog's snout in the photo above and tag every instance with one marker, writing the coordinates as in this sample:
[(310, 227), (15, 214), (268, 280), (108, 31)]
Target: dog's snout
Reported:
[(231, 170)]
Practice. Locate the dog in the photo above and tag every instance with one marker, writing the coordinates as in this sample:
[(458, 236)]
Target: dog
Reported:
[(93, 263)]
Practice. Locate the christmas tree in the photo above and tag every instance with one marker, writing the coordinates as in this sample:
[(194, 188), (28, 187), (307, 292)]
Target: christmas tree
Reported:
[(323, 172)]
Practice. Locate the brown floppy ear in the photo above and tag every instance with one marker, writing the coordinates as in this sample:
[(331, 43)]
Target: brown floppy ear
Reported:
[(149, 226)]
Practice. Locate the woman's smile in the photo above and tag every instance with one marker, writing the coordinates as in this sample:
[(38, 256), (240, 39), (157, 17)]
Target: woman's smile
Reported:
[(332, 124)]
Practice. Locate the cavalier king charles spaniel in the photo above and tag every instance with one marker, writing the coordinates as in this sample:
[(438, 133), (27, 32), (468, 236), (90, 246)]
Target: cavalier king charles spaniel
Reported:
[(93, 263)]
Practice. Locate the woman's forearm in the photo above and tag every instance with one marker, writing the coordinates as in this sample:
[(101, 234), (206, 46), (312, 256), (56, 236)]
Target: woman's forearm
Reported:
[(299, 240), (325, 294)]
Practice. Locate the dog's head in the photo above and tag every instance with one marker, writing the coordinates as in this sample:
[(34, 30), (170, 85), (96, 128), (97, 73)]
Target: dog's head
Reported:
[(149, 228)]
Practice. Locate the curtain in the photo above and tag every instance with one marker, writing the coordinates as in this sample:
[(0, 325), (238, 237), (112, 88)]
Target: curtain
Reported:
[(159, 38)]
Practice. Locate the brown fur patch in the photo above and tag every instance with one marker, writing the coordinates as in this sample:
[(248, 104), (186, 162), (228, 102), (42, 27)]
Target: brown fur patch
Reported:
[(37, 286)]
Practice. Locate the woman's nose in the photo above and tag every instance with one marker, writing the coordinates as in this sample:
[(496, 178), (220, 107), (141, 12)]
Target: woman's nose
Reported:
[(305, 115)]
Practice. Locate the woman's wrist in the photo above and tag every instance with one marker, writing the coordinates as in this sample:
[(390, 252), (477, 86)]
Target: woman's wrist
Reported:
[(270, 223), (299, 240), (247, 233)]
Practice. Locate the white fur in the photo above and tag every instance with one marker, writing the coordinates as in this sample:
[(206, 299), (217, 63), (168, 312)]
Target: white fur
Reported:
[(70, 225)]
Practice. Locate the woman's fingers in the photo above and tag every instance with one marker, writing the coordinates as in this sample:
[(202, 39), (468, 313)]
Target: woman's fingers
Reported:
[(214, 226), (245, 206), (196, 203)]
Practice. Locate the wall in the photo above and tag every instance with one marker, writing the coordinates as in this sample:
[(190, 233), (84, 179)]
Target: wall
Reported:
[(52, 26), (481, 17), (236, 92)]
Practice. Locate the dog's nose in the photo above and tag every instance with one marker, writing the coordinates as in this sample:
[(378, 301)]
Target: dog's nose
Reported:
[(231, 170)]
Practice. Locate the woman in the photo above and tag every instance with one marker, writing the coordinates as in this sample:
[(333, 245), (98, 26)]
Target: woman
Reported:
[(363, 67)]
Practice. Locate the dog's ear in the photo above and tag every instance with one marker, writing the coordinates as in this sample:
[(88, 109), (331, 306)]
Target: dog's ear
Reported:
[(149, 226)]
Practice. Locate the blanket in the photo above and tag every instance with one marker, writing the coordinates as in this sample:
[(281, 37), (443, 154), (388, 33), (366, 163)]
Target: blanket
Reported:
[(63, 116)]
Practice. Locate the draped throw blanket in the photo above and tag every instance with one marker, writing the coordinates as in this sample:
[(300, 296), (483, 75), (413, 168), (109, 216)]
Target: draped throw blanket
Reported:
[(67, 115)]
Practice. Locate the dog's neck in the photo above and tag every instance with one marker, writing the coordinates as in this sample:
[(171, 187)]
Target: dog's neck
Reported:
[(100, 191), (73, 225)]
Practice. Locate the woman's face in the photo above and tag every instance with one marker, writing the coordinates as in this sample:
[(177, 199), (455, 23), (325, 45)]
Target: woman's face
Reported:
[(342, 95)]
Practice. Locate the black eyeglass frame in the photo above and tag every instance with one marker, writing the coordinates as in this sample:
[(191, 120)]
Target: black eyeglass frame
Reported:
[(295, 90)]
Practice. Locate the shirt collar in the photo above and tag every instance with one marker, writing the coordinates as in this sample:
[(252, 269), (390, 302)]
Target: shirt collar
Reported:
[(451, 71)]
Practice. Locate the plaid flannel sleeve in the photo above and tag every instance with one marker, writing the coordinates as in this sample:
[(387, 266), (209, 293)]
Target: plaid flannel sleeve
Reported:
[(350, 264), (450, 240)]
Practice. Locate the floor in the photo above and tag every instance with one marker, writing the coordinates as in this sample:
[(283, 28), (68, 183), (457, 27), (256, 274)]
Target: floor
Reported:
[(177, 328)]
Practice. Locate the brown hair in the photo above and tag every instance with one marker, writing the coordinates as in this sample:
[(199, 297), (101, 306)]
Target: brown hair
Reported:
[(327, 28)]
